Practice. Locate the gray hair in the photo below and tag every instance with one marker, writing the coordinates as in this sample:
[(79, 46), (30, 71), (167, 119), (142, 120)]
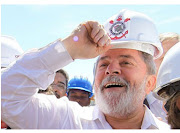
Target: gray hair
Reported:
[(149, 61)]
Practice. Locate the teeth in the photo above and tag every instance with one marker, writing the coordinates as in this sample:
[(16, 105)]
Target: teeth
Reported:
[(113, 84)]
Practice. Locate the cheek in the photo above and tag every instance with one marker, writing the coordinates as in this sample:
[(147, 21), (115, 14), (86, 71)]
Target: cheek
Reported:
[(178, 103), (98, 78)]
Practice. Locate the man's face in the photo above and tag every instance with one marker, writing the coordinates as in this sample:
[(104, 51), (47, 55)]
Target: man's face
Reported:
[(80, 96), (120, 81), (167, 44), (59, 85)]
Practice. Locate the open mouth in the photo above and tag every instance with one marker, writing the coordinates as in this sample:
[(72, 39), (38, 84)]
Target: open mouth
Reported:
[(112, 85)]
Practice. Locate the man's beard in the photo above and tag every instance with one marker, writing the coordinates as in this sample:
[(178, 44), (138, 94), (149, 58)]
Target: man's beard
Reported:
[(123, 103)]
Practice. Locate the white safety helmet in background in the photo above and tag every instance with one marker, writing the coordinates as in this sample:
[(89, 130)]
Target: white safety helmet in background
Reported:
[(168, 74), (10, 50), (133, 30)]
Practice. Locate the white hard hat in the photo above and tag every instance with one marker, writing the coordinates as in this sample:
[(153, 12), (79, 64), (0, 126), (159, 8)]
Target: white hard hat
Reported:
[(10, 50), (133, 30), (169, 72)]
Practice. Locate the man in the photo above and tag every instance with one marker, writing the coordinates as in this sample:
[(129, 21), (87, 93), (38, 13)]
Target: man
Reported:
[(10, 51), (59, 86), (168, 40), (80, 91), (123, 72), (168, 85)]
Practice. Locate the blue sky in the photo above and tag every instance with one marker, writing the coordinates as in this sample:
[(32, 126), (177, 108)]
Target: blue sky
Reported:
[(35, 26)]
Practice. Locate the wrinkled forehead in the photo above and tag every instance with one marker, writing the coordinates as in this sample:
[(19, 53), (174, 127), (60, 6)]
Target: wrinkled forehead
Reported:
[(116, 53)]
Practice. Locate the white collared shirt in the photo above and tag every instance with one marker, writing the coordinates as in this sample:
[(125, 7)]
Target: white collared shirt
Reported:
[(156, 106), (22, 107)]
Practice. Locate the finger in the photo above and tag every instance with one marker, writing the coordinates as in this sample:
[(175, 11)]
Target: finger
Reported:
[(105, 40), (104, 49), (108, 41), (93, 28), (88, 27), (102, 41), (99, 35)]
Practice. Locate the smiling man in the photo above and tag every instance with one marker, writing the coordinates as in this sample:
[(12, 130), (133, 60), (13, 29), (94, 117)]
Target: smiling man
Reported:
[(124, 74)]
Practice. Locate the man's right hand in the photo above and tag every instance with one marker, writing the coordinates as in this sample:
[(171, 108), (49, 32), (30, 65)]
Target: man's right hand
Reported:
[(87, 41)]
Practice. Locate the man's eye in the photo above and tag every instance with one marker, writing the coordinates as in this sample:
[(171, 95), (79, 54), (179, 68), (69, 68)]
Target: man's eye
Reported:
[(103, 65), (125, 63)]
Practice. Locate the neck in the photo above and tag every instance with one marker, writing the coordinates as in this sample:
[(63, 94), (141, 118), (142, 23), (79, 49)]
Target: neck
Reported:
[(132, 121)]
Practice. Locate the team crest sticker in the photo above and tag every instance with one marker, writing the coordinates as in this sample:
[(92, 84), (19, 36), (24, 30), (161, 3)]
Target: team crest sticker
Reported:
[(118, 28)]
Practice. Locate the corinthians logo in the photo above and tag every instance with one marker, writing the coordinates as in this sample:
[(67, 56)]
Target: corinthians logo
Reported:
[(117, 29)]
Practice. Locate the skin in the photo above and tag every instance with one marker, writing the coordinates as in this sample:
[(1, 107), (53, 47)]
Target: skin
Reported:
[(128, 64), (79, 96), (59, 85), (178, 103), (167, 44)]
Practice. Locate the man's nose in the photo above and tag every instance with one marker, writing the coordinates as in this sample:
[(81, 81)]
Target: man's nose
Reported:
[(113, 69)]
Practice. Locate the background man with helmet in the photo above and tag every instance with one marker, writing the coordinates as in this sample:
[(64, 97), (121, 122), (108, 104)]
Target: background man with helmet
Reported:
[(124, 75), (10, 51), (80, 91), (168, 40), (168, 85)]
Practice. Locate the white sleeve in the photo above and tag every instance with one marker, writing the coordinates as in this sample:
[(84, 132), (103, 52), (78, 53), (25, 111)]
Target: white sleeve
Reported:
[(21, 106)]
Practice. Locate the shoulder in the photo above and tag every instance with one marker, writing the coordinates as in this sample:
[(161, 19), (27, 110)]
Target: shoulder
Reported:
[(151, 122)]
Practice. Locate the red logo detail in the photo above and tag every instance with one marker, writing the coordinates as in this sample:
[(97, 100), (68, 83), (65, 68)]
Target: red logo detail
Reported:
[(127, 19), (123, 35), (111, 21), (119, 18), (115, 37)]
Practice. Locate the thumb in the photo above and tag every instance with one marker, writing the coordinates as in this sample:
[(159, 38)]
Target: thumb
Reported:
[(103, 49)]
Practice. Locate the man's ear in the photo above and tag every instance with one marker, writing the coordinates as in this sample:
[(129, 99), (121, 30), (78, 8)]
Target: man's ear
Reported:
[(150, 84)]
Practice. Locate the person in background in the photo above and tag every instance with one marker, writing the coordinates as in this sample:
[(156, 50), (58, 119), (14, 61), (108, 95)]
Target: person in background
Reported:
[(124, 74), (59, 85), (48, 91), (168, 39), (80, 91), (10, 51), (168, 85)]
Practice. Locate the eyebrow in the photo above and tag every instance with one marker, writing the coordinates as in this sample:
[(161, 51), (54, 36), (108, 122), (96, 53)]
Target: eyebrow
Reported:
[(103, 58), (61, 82), (127, 56), (120, 56)]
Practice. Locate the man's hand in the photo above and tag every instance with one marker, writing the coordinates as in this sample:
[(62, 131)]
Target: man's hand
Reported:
[(87, 41)]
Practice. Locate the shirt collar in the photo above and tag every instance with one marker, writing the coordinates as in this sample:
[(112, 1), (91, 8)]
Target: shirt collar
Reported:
[(149, 120), (150, 98)]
